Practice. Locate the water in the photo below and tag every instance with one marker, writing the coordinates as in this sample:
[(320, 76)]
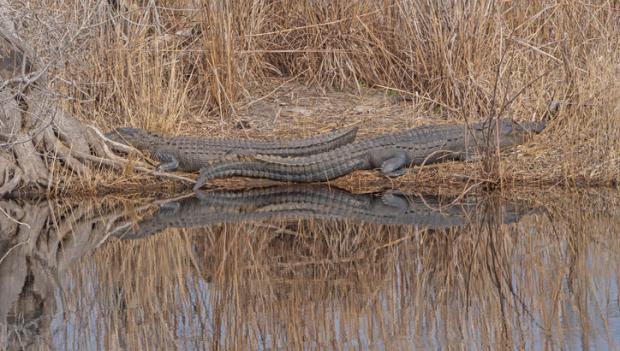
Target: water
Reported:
[(313, 268)]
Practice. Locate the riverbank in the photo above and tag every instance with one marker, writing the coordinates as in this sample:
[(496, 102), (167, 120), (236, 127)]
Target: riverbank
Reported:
[(292, 110), (266, 70)]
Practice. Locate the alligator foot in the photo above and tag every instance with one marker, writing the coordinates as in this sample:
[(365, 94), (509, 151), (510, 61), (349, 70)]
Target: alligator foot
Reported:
[(170, 164), (170, 207), (201, 180), (395, 199), (395, 165)]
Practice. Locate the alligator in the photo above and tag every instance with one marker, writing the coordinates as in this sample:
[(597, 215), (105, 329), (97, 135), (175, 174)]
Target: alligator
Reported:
[(391, 153), (189, 153), (316, 202)]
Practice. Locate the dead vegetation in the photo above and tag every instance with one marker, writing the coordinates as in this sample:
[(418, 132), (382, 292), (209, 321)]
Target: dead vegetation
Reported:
[(294, 68)]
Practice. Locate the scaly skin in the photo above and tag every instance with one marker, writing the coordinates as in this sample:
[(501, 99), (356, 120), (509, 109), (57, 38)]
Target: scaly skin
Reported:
[(192, 153), (391, 153), (314, 202)]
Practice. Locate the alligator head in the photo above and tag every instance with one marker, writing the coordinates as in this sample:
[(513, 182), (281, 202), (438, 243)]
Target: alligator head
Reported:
[(136, 137), (512, 132)]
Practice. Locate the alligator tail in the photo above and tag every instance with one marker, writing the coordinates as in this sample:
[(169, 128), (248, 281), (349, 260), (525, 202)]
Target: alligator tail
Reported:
[(307, 146), (276, 171)]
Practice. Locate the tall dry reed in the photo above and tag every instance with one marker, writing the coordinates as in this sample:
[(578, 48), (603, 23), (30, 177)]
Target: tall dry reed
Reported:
[(174, 65)]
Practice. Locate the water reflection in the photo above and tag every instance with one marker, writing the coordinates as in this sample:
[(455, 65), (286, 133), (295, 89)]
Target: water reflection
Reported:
[(313, 268), (319, 202)]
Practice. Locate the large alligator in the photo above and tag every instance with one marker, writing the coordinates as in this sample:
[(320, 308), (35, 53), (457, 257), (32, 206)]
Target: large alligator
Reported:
[(391, 153), (188, 153), (316, 202)]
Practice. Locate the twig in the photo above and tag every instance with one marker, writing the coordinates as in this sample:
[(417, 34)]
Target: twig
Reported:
[(122, 162), (6, 254), (419, 96), (529, 84), (13, 219), (120, 146), (288, 30)]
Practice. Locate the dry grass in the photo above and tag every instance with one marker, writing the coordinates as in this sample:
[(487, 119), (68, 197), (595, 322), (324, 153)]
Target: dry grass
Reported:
[(334, 284), (191, 67)]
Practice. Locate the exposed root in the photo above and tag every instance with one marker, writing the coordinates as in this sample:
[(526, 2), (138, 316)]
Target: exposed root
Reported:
[(30, 166), (28, 159), (10, 176), (35, 130), (115, 145), (62, 152), (119, 163)]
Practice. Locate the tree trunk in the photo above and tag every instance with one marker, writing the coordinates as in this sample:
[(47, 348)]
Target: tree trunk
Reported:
[(40, 144)]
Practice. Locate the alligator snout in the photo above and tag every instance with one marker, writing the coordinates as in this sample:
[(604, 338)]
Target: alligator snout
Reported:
[(534, 127)]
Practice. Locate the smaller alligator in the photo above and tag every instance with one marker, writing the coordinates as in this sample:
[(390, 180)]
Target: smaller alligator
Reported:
[(188, 153), (391, 153)]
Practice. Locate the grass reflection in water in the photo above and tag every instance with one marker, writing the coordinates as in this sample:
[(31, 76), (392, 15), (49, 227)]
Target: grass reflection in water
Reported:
[(537, 270)]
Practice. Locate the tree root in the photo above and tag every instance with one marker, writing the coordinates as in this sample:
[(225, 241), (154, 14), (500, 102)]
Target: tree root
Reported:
[(33, 163), (10, 176), (39, 139)]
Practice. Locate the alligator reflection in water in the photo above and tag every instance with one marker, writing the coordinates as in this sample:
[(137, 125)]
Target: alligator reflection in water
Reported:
[(547, 280), (316, 202)]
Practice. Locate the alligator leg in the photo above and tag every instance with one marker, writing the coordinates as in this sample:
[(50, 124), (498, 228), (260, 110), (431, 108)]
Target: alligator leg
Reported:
[(201, 180), (395, 164), (170, 207), (168, 161), (169, 166), (395, 199)]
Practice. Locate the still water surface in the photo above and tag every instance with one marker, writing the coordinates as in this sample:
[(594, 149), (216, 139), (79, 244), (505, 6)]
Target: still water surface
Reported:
[(312, 268)]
